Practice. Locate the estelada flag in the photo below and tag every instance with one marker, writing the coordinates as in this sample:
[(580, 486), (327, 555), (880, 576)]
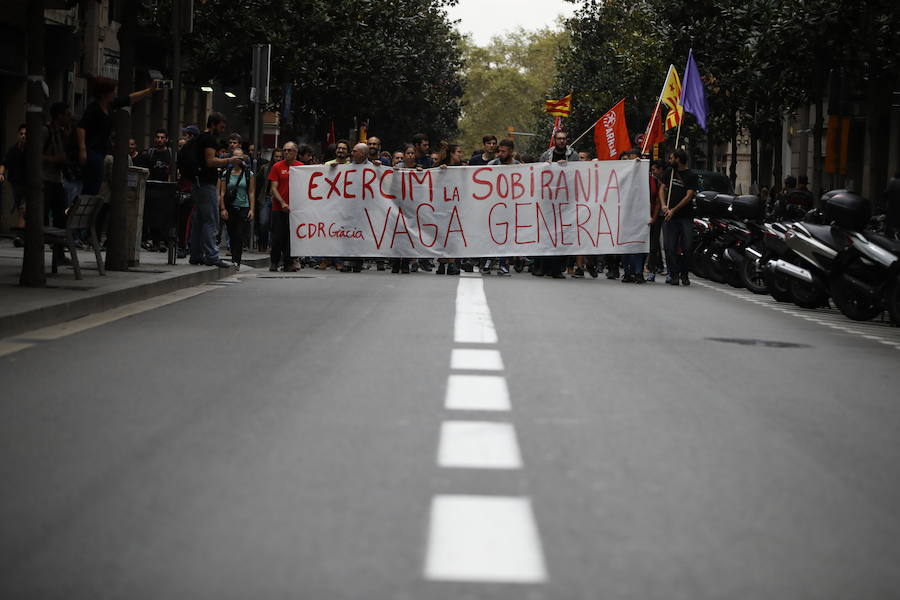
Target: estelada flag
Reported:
[(671, 95), (559, 108), (611, 133)]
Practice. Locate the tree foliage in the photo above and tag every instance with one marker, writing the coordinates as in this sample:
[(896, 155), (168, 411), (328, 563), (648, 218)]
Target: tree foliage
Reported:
[(618, 50), (759, 58), (506, 84), (393, 63)]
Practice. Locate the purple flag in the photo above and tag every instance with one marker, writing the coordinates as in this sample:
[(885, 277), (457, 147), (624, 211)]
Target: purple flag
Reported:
[(693, 98)]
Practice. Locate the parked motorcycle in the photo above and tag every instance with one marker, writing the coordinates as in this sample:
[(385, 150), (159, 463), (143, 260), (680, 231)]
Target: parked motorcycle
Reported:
[(840, 260)]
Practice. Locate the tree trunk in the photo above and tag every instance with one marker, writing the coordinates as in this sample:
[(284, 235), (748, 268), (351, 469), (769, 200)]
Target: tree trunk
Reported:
[(32, 273), (734, 150), (765, 158), (778, 157), (175, 92), (117, 231), (817, 147), (754, 160), (879, 124)]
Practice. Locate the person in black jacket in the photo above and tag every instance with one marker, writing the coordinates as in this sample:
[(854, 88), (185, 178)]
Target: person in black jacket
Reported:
[(12, 169)]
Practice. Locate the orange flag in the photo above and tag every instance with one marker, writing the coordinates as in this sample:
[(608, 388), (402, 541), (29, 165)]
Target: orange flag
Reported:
[(611, 133), (654, 133), (559, 108)]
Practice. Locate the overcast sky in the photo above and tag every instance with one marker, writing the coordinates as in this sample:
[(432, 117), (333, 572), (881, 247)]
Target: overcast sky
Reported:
[(484, 19)]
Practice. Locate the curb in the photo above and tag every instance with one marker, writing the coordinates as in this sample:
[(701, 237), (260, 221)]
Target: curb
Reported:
[(12, 325)]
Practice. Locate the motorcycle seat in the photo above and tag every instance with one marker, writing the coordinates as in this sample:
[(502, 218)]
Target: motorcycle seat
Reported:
[(823, 233), (892, 246)]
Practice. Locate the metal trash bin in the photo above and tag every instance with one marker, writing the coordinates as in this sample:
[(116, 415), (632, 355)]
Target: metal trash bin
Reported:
[(161, 211), (135, 212)]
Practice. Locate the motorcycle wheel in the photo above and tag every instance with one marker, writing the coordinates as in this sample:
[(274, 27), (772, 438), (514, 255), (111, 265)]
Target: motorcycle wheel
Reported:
[(752, 276), (778, 286), (806, 295), (698, 262), (892, 301), (852, 304), (714, 270), (733, 273)]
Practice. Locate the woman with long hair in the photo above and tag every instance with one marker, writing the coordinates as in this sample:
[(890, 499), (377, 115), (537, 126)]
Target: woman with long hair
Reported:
[(449, 155), (237, 202), (405, 265)]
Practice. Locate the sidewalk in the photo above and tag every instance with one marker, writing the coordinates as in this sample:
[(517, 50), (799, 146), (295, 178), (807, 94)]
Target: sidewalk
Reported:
[(65, 298)]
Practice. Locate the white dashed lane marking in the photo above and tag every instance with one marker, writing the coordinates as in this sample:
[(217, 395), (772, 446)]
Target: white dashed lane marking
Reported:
[(477, 392), (467, 359), (478, 445), (473, 323), (484, 539), (471, 538), (873, 331)]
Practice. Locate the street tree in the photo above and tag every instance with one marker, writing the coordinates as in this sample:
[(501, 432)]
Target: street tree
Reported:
[(506, 83), (618, 50), (392, 63)]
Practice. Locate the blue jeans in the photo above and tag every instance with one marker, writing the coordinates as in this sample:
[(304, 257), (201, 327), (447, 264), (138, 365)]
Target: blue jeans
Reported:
[(205, 224), (634, 263), (264, 215), (678, 235)]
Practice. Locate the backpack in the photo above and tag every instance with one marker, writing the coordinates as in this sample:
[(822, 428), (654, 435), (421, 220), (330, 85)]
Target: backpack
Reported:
[(231, 192), (189, 162)]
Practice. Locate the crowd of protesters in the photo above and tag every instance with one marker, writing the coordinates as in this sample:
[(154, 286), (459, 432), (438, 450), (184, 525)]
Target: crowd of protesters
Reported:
[(418, 154), (231, 197)]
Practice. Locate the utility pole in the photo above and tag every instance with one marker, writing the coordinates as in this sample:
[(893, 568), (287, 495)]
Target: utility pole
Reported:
[(262, 56), (32, 273), (117, 229), (174, 125), (182, 22)]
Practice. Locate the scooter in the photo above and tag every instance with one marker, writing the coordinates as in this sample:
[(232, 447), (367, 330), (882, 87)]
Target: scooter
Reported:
[(864, 272)]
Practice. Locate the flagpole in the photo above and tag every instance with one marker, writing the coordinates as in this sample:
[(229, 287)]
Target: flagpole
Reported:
[(583, 134), (652, 123), (672, 176)]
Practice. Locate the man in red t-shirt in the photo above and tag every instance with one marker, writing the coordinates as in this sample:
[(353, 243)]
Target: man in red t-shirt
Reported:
[(279, 174)]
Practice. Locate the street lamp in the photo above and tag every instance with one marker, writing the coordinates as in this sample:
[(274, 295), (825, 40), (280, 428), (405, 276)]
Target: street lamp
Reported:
[(205, 88), (230, 94)]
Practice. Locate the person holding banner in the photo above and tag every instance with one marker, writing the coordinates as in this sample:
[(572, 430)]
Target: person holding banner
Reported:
[(450, 155), (654, 261), (678, 211), (632, 264), (408, 161), (560, 153), (488, 154), (360, 156), (279, 175), (505, 156), (341, 153), (421, 144)]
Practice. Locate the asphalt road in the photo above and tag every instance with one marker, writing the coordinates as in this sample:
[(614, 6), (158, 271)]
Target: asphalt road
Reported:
[(293, 437)]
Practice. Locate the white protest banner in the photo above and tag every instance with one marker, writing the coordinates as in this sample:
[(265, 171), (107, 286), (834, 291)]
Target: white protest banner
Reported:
[(598, 207)]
